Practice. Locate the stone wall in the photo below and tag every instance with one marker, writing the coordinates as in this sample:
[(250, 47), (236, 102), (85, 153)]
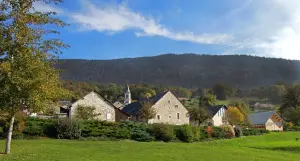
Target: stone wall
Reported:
[(170, 110), (107, 111)]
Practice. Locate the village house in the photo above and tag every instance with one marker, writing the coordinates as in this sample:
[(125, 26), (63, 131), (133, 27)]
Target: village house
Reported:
[(104, 108), (168, 109), (269, 120), (217, 114)]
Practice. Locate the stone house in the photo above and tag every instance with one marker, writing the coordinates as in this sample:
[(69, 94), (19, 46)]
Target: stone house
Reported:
[(269, 120), (168, 109), (104, 108)]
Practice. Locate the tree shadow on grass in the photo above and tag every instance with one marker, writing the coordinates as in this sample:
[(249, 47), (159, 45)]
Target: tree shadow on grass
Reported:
[(292, 149)]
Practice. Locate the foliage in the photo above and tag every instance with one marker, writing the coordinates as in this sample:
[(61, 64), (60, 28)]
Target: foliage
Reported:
[(223, 91), (293, 115), (198, 114), (196, 133), (146, 111), (28, 78), (142, 136), (207, 100), (244, 109), (185, 133), (218, 133), (293, 128), (228, 131), (86, 112), (290, 99), (254, 131), (162, 132), (234, 116), (238, 131), (68, 129)]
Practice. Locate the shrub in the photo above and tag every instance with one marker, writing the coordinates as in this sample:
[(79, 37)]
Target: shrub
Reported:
[(196, 133), (121, 133), (162, 132), (40, 127), (143, 136), (292, 128), (208, 132), (238, 131), (218, 133), (33, 130), (185, 133), (254, 131), (68, 129), (1, 131), (17, 135), (228, 131)]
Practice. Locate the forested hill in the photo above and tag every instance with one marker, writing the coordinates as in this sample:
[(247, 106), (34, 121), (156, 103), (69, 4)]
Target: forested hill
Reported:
[(188, 70)]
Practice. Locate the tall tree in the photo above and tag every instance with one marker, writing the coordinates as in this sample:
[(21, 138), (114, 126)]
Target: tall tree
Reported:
[(198, 114), (207, 100), (290, 99), (234, 116), (147, 111), (28, 79)]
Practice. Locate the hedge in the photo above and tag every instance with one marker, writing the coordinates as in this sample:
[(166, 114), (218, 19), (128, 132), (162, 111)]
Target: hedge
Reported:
[(103, 130)]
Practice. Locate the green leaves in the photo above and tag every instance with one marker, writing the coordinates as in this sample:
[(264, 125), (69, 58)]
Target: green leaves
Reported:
[(28, 78)]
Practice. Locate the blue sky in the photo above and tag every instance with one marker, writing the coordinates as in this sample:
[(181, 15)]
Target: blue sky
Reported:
[(109, 29)]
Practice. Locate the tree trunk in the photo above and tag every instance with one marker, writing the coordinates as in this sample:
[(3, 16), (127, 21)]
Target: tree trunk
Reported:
[(9, 134)]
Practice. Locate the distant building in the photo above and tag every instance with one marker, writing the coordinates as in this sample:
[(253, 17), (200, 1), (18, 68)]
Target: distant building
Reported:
[(118, 104), (107, 111), (217, 114), (168, 110), (127, 100), (269, 120)]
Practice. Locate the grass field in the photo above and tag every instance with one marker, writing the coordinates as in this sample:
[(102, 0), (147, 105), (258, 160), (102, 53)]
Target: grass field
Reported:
[(270, 147)]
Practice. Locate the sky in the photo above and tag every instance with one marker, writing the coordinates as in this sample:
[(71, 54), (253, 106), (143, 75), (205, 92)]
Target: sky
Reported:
[(111, 29)]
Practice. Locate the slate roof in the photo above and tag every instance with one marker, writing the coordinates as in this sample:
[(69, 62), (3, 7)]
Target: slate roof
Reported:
[(134, 107), (260, 117), (214, 109)]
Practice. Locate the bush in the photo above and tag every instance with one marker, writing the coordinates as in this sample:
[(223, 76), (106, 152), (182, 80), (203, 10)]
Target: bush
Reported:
[(162, 132), (293, 128), (228, 131), (33, 130), (142, 136), (238, 131), (1, 131), (17, 135), (218, 133), (68, 129), (185, 133), (121, 133), (196, 133), (254, 131), (40, 127)]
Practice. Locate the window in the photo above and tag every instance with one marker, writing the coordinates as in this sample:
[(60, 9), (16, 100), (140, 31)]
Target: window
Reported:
[(169, 116), (158, 117), (176, 106), (108, 116), (177, 115), (169, 101), (169, 108)]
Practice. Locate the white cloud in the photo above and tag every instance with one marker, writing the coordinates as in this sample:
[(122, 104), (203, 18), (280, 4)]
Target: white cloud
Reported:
[(272, 29), (120, 18)]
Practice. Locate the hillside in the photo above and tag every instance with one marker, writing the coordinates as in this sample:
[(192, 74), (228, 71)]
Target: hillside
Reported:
[(188, 70)]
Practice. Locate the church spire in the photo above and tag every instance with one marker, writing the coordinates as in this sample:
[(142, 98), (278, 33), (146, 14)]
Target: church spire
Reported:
[(127, 96)]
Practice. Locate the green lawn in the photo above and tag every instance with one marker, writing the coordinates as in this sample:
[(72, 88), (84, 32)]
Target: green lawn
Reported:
[(270, 147)]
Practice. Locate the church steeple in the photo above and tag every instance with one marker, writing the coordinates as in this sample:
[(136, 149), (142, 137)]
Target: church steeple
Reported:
[(127, 96)]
